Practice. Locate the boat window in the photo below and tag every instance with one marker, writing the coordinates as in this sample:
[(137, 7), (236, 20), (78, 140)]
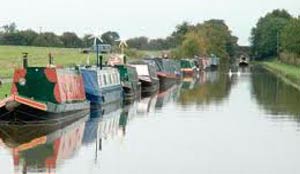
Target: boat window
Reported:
[(105, 80), (112, 76), (115, 78), (100, 80)]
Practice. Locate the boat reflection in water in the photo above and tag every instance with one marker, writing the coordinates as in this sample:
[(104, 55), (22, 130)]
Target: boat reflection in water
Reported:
[(146, 105), (102, 124), (212, 86), (165, 97), (41, 148)]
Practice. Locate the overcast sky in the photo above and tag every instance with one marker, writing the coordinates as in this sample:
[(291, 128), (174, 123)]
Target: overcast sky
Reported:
[(152, 18)]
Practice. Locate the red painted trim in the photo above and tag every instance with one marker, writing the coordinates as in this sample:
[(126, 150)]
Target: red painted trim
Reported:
[(14, 89), (19, 73), (51, 75), (161, 74), (31, 103), (187, 69)]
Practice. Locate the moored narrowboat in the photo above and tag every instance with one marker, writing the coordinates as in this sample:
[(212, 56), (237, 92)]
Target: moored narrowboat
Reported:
[(50, 89), (130, 82), (128, 76), (243, 61), (102, 85), (168, 72), (147, 75), (214, 62), (188, 67)]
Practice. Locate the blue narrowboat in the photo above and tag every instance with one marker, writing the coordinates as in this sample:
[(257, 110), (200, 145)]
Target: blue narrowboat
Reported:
[(102, 85)]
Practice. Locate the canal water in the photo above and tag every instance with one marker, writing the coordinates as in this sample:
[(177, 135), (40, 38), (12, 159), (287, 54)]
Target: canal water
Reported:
[(240, 123)]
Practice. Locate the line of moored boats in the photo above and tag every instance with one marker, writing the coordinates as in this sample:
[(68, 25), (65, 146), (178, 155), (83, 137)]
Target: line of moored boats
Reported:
[(53, 89)]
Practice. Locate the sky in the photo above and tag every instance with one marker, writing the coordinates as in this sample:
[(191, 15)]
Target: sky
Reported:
[(131, 18)]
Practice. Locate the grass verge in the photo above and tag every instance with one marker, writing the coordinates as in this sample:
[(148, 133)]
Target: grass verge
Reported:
[(289, 72), (5, 90)]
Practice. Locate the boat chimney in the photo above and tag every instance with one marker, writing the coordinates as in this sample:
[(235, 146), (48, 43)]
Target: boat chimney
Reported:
[(97, 55), (50, 59), (25, 60), (125, 60), (101, 61)]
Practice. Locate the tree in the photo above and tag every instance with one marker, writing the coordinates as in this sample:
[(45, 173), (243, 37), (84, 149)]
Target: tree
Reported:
[(265, 36), (87, 41), (48, 39), (290, 37), (138, 43), (10, 28), (191, 45), (177, 36), (71, 40), (110, 37), (28, 36)]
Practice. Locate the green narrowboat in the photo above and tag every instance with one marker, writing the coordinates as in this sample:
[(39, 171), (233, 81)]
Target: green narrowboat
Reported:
[(50, 89), (130, 82), (128, 76), (188, 68)]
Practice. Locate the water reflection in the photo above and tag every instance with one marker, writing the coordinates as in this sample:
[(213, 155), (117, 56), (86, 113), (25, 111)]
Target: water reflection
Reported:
[(164, 142), (165, 97), (210, 87), (41, 148), (278, 98)]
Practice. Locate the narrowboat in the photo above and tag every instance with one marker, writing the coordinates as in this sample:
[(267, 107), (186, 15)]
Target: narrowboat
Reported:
[(128, 75), (214, 62), (147, 76), (188, 67), (243, 61), (130, 82), (102, 85), (168, 72), (49, 89)]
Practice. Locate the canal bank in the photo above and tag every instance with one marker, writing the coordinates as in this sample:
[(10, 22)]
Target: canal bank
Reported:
[(4, 90), (288, 73)]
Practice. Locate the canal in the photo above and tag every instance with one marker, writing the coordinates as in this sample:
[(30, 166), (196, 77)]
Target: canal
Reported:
[(218, 123)]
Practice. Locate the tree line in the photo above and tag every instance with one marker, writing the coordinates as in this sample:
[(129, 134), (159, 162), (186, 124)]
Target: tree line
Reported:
[(188, 40), (12, 36), (277, 34)]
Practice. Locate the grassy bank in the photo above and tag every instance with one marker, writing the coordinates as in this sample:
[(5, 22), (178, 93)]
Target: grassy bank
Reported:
[(290, 73), (11, 57), (4, 90)]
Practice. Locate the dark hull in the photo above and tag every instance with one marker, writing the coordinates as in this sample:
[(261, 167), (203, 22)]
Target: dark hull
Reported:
[(166, 82), (131, 94), (149, 88), (16, 135), (243, 64), (106, 96), (24, 115), (213, 67)]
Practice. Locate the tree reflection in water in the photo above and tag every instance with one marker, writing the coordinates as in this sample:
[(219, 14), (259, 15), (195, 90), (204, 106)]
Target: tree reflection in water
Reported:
[(274, 95)]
